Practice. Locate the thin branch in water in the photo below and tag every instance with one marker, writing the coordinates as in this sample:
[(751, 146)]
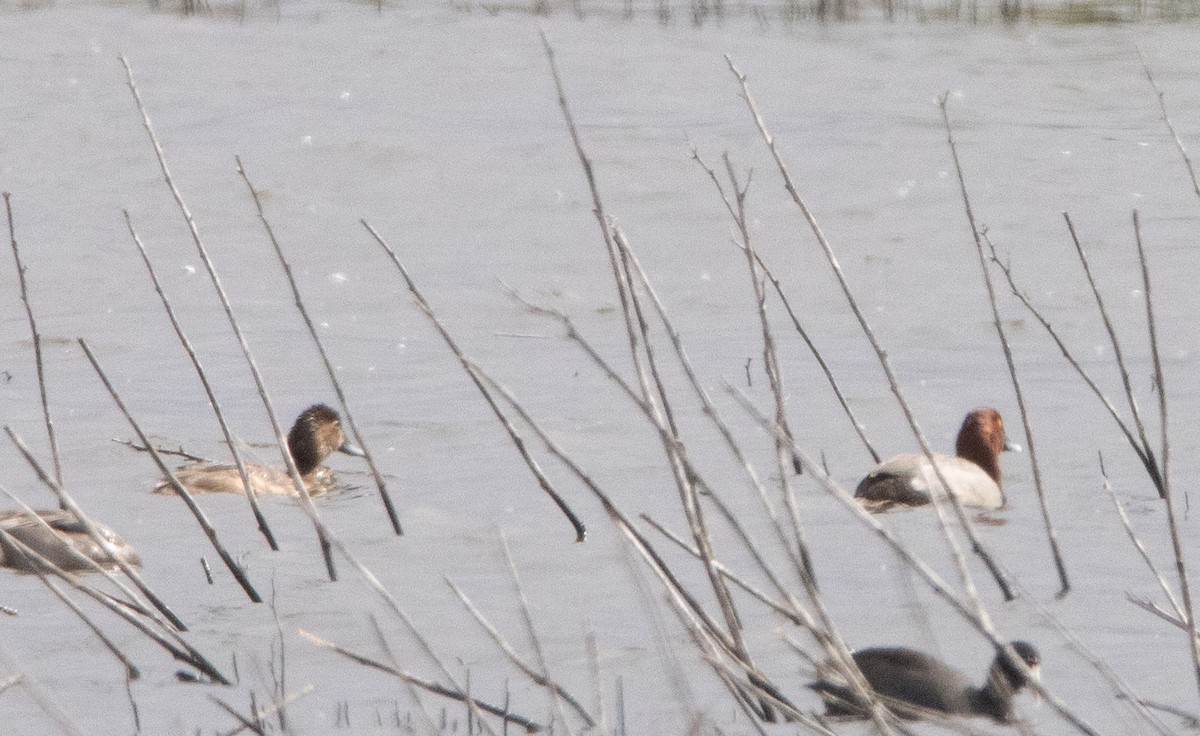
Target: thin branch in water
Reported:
[(543, 482), (1185, 589), (431, 687), (251, 496), (1148, 462), (238, 573), (37, 342), (977, 236), (357, 436), (1162, 106), (1126, 384)]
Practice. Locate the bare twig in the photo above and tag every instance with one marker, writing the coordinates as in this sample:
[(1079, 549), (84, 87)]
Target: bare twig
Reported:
[(238, 573), (1152, 466), (1162, 106), (977, 237), (37, 341), (1172, 522), (251, 495), (431, 687), (388, 506), (543, 481)]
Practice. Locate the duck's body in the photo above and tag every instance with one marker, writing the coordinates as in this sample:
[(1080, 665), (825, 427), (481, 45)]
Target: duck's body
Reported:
[(316, 434), (913, 682), (973, 474), (65, 543)]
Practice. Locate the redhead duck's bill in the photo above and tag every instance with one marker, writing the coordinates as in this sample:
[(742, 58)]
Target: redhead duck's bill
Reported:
[(316, 434), (973, 473)]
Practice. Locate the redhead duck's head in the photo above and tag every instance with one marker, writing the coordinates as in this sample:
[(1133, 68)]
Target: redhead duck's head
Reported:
[(981, 440), (316, 434)]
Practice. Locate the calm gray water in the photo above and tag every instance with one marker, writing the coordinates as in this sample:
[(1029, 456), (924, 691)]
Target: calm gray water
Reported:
[(443, 131)]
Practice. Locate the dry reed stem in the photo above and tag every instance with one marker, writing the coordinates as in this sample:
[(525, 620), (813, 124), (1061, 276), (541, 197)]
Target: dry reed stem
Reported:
[(260, 714), (37, 341), (681, 468), (540, 678), (661, 569), (431, 687), (557, 694), (834, 646), (737, 210), (965, 610), (543, 482), (977, 238), (251, 495), (784, 439), (633, 318), (1162, 106), (709, 409), (235, 569), (729, 575), (1137, 543), (389, 507), (1153, 467), (787, 305), (1172, 522), (885, 364), (1148, 462), (1121, 689), (69, 504), (305, 498)]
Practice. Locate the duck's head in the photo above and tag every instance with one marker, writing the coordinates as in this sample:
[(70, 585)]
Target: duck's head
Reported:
[(981, 440), (316, 434), (1003, 671)]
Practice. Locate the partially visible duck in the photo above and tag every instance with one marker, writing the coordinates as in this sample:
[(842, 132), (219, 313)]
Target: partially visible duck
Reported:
[(316, 434), (66, 543), (973, 474), (906, 677)]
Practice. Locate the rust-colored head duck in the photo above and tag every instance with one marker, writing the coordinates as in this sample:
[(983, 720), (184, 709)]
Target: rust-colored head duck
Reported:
[(60, 538), (973, 473), (913, 684), (316, 435)]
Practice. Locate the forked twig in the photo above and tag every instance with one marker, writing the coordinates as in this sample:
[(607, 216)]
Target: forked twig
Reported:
[(543, 482), (234, 568), (37, 342), (251, 495), (977, 237), (384, 496)]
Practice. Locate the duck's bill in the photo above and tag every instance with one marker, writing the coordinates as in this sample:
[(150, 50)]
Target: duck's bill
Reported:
[(350, 448), (1012, 447)]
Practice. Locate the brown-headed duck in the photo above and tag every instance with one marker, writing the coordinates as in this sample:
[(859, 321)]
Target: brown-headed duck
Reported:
[(316, 434)]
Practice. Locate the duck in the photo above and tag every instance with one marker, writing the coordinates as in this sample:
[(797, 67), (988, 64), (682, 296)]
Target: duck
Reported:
[(973, 473), (907, 677), (316, 435), (62, 540)]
